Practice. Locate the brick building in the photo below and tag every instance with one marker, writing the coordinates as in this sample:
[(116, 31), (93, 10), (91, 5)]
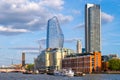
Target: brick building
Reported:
[(104, 66), (87, 62)]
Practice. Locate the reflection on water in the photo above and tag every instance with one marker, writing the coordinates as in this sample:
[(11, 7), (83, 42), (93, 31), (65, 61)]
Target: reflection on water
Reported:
[(20, 76)]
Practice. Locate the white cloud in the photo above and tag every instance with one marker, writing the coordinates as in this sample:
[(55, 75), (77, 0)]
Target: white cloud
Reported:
[(30, 15), (106, 17), (25, 48), (34, 21), (9, 29), (64, 19), (55, 4), (28, 49)]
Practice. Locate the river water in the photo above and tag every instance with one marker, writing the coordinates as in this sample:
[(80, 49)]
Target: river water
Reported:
[(20, 76)]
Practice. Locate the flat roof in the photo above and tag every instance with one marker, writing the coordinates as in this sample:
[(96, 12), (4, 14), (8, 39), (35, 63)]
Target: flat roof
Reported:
[(79, 54)]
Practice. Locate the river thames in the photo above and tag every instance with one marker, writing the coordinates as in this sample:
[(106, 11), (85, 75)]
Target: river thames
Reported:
[(20, 76)]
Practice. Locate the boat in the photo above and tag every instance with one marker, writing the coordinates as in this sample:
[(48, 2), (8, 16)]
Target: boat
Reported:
[(57, 73), (80, 74), (69, 73), (64, 72), (36, 72), (27, 72)]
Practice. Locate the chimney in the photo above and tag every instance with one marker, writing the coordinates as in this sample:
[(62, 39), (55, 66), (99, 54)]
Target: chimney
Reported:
[(23, 59)]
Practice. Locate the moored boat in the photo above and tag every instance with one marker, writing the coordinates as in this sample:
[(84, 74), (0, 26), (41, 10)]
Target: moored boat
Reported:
[(64, 72), (27, 72), (70, 73), (57, 73), (80, 74)]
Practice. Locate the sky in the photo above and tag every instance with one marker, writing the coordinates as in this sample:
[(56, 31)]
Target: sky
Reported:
[(23, 26)]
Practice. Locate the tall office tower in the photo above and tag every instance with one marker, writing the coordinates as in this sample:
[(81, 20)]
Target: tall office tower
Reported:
[(92, 27), (79, 46), (23, 59), (55, 37)]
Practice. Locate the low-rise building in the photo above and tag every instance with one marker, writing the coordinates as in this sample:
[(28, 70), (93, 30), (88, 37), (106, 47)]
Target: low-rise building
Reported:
[(86, 62), (113, 56), (104, 66), (105, 61)]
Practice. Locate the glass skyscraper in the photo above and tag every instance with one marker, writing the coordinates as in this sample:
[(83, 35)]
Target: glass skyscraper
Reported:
[(92, 27), (55, 37)]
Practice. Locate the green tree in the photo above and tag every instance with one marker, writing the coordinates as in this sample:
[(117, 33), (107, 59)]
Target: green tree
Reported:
[(29, 67), (114, 64)]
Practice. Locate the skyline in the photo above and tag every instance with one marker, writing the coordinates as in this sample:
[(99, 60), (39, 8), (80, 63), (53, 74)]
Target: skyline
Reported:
[(23, 26)]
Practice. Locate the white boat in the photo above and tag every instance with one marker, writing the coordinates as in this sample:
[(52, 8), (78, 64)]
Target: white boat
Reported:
[(57, 73), (64, 72), (69, 73), (36, 72)]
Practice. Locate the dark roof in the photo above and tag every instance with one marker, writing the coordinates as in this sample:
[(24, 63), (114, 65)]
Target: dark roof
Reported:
[(79, 54)]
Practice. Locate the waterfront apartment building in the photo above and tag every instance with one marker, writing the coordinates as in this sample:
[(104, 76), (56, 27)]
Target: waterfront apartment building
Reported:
[(55, 37), (87, 62), (51, 59), (92, 28)]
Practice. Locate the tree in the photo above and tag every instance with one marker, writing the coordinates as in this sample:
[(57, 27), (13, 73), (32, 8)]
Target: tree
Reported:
[(29, 67), (114, 64)]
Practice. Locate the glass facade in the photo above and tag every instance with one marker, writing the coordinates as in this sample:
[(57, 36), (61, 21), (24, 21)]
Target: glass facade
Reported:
[(55, 37), (92, 27)]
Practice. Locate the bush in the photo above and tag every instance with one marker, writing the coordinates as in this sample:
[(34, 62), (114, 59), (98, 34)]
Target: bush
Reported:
[(114, 64)]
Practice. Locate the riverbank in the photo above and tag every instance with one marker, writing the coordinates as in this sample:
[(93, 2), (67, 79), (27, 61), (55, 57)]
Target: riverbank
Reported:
[(107, 72), (113, 72)]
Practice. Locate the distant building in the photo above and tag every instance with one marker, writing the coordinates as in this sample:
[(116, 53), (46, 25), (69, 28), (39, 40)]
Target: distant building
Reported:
[(23, 59), (87, 62), (51, 59), (55, 37), (79, 46), (112, 56), (92, 28), (83, 50), (105, 58), (105, 66)]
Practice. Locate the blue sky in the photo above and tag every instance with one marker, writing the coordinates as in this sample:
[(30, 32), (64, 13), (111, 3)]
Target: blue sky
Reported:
[(23, 26)]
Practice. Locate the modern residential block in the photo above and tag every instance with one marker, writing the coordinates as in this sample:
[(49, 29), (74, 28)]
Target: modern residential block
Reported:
[(92, 28)]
